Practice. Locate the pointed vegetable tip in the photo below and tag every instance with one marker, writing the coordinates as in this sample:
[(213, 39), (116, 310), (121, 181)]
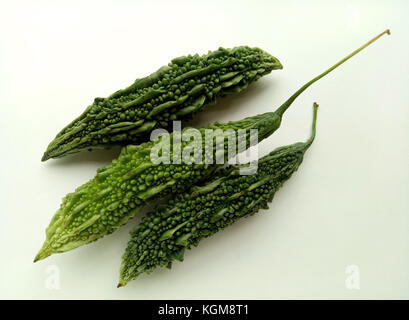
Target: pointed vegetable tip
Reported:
[(278, 64), (122, 283), (42, 254), (45, 157), (280, 111)]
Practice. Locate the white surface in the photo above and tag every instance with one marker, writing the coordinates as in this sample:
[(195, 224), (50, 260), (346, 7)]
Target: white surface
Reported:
[(347, 205)]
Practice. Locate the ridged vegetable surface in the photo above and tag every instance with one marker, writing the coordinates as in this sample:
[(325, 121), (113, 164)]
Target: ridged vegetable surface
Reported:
[(164, 234), (121, 189), (174, 92)]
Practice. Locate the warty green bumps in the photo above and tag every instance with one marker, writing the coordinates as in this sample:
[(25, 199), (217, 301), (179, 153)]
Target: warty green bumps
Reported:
[(120, 190), (174, 92), (164, 234)]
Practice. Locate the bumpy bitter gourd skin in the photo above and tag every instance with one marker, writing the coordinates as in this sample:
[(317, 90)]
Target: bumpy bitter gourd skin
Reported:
[(120, 190), (174, 92), (164, 234)]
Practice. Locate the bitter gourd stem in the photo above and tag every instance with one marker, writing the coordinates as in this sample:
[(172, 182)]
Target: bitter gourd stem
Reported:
[(280, 111), (314, 122)]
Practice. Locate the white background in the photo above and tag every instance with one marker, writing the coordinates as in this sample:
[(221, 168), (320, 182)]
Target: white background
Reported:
[(347, 205)]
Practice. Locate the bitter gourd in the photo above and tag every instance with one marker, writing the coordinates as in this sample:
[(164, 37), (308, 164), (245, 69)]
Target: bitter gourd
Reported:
[(164, 234), (121, 189), (174, 92)]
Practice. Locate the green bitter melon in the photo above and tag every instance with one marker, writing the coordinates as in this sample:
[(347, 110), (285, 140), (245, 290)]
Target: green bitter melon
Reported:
[(120, 190), (174, 92), (164, 234)]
